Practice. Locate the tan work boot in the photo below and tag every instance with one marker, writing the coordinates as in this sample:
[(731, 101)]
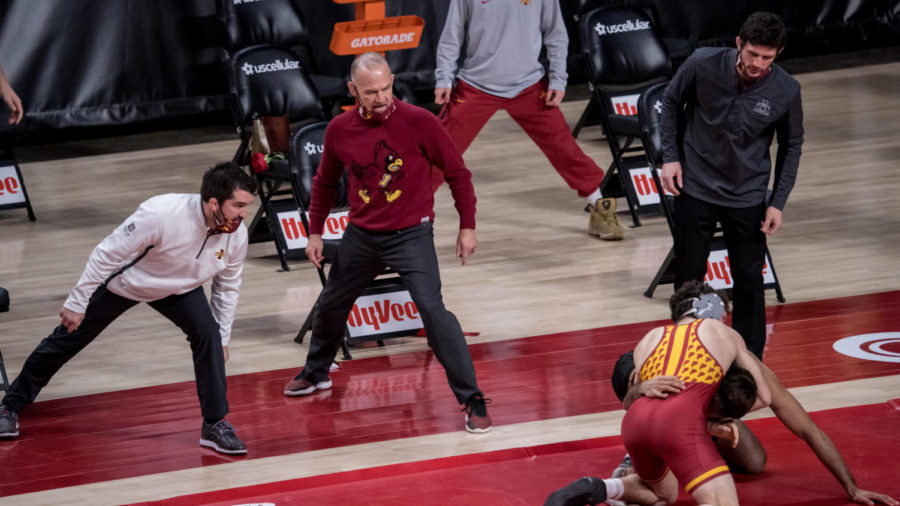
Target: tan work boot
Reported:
[(604, 223)]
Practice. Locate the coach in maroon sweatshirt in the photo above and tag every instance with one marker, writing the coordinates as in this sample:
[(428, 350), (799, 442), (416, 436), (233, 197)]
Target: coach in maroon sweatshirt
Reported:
[(390, 149)]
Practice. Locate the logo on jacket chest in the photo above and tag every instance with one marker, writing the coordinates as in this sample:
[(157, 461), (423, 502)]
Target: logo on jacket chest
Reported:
[(383, 174), (763, 107), (219, 254)]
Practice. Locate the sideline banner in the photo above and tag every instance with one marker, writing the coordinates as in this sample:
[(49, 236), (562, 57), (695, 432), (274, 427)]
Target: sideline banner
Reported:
[(13, 194)]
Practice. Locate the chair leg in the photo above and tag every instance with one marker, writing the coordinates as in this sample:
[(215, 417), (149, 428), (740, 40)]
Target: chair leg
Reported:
[(346, 350), (307, 324), (585, 116), (663, 269), (778, 294)]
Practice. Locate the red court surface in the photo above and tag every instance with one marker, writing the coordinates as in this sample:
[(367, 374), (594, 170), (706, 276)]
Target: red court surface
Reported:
[(793, 475), (156, 429)]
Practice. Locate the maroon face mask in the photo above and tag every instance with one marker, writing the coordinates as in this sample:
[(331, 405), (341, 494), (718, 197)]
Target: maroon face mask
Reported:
[(739, 64), (224, 226), (375, 116)]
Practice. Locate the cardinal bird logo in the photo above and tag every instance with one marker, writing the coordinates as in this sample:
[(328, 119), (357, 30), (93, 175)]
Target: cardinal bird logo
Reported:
[(382, 174)]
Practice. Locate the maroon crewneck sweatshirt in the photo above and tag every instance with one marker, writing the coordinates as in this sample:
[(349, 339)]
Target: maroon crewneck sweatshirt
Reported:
[(389, 166)]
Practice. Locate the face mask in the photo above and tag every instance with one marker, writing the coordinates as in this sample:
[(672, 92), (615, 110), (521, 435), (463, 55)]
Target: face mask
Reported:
[(741, 68), (224, 226), (371, 115), (375, 116)]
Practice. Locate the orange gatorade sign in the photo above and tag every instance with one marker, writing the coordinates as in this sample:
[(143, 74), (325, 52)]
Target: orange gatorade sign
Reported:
[(386, 34)]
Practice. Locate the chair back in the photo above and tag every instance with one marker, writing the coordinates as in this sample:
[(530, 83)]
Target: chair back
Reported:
[(251, 23), (649, 116), (620, 47), (269, 80), (307, 145)]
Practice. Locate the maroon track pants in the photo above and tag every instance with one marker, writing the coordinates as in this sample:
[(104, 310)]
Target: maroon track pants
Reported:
[(469, 108)]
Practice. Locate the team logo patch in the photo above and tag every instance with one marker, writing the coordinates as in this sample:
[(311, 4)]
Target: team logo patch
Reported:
[(219, 254), (763, 107), (879, 347)]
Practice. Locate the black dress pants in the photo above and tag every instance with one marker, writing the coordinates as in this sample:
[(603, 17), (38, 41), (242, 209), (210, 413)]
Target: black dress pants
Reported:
[(409, 252), (695, 224), (189, 311)]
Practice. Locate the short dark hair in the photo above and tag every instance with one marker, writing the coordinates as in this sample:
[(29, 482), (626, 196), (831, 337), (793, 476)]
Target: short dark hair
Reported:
[(622, 373), (735, 396), (764, 29), (682, 300), (221, 181)]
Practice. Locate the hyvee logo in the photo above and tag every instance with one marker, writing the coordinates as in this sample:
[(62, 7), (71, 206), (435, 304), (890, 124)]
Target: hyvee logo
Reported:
[(718, 270), (381, 312), (628, 26), (276, 66)]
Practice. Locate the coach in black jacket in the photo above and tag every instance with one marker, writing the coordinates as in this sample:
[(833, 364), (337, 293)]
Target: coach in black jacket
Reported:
[(720, 114)]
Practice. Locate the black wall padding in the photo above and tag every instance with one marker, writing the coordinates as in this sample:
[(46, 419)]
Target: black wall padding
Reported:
[(81, 63)]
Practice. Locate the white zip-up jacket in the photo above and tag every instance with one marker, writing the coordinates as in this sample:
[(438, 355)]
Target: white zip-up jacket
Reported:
[(183, 256)]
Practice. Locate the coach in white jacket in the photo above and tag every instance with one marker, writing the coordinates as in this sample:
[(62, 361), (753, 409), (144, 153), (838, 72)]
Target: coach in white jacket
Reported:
[(162, 254)]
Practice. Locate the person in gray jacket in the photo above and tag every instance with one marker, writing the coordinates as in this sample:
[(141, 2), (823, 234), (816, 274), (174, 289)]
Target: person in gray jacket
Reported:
[(502, 70), (720, 113), (162, 255)]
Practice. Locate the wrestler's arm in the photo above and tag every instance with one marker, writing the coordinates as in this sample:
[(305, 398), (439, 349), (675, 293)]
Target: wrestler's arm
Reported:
[(748, 361), (794, 417)]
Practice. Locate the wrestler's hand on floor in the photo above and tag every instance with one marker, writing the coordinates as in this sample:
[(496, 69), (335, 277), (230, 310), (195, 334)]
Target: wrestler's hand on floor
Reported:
[(868, 497), (661, 387)]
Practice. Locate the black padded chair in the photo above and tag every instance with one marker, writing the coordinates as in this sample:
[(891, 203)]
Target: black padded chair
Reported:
[(278, 22), (268, 80), (623, 56), (4, 307), (649, 117), (305, 154), (679, 49)]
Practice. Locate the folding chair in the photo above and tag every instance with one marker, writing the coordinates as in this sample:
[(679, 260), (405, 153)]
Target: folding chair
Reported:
[(4, 307), (278, 22), (305, 153), (623, 57), (267, 80), (649, 116), (678, 48)]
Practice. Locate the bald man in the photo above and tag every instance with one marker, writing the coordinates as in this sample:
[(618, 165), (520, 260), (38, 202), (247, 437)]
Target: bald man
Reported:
[(390, 150)]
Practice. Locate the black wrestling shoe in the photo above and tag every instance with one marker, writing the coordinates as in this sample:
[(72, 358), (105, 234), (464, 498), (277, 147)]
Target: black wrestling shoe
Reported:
[(586, 490), (9, 423), (221, 438), (624, 469)]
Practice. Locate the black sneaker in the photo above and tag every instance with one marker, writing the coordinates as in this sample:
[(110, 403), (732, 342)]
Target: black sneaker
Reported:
[(624, 469), (477, 418), (221, 438), (9, 423), (586, 490)]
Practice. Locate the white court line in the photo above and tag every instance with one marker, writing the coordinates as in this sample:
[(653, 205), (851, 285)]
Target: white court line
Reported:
[(348, 458)]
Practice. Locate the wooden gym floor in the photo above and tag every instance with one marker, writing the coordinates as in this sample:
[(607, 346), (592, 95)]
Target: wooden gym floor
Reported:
[(536, 273)]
